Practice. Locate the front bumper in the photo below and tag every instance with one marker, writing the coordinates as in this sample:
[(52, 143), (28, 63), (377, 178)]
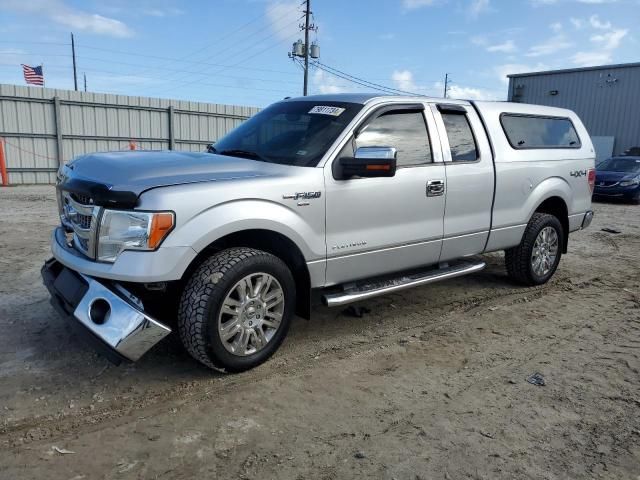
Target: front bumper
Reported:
[(162, 265), (108, 312), (631, 191)]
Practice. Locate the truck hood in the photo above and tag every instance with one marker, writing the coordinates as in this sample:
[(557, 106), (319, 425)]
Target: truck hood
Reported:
[(119, 178)]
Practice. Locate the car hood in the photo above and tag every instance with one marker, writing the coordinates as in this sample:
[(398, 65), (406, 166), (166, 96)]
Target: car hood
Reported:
[(118, 178), (605, 176)]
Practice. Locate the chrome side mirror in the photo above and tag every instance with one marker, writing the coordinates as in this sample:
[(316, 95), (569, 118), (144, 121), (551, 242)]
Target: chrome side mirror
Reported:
[(368, 162), (382, 153)]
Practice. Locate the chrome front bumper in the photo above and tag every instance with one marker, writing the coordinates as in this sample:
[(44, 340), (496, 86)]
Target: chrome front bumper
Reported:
[(109, 312)]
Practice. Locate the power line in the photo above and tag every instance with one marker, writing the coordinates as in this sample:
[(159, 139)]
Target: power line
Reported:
[(223, 50), (238, 63), (102, 60), (318, 65), (34, 43), (120, 52), (362, 81)]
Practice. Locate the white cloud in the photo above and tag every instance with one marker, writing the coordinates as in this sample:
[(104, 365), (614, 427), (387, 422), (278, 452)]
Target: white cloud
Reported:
[(479, 40), (326, 83), (610, 40), (282, 16), (413, 4), (71, 17), (577, 23), (506, 47), (596, 2), (551, 46), (556, 27), (476, 7), (471, 93), (93, 23), (586, 59), (403, 80), (605, 43), (387, 36), (159, 12), (595, 22), (537, 3)]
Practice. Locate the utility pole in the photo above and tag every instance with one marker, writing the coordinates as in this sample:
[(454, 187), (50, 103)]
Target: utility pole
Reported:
[(306, 47), (75, 73), (303, 49), (446, 84), (85, 81)]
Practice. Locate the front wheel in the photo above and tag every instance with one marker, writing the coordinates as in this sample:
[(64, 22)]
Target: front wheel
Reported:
[(536, 259), (236, 309)]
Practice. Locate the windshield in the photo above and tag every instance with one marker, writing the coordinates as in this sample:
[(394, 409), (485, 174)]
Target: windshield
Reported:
[(620, 164), (290, 133)]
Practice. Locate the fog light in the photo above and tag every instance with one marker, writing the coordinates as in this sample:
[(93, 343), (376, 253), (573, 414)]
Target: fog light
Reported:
[(99, 311)]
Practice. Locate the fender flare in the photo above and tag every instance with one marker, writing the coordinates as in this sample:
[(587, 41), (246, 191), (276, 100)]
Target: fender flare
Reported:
[(549, 188)]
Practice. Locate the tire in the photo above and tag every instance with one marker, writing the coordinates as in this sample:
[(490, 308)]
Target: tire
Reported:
[(212, 303), (519, 260)]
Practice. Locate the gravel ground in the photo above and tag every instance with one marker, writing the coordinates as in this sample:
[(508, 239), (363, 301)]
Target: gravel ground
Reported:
[(430, 384)]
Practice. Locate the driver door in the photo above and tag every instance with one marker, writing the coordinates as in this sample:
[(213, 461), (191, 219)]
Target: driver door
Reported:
[(387, 224)]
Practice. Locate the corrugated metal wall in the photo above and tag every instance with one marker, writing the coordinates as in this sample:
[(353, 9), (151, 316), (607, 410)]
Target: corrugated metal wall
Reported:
[(42, 126), (607, 99)]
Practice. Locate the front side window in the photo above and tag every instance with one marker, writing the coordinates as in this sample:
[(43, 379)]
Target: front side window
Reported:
[(530, 131), (461, 140), (296, 133), (404, 130)]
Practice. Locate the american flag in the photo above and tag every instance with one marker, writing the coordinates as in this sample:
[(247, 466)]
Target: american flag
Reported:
[(33, 75)]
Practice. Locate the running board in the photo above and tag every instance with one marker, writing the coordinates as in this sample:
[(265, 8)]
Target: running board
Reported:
[(364, 290)]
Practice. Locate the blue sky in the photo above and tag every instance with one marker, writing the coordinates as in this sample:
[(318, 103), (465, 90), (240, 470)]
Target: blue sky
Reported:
[(235, 51)]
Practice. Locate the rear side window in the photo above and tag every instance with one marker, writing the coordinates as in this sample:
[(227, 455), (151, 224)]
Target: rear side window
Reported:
[(461, 140), (404, 130), (530, 131)]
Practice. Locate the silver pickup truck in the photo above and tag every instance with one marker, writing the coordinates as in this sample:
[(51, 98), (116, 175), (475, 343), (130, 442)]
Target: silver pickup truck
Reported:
[(353, 195)]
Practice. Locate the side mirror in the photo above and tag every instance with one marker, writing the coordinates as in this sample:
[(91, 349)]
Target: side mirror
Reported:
[(369, 162)]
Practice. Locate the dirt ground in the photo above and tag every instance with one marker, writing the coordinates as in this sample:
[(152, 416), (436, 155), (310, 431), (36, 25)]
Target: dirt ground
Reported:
[(430, 384)]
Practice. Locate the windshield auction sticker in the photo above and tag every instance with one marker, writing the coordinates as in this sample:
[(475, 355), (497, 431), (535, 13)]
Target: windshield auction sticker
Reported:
[(326, 110)]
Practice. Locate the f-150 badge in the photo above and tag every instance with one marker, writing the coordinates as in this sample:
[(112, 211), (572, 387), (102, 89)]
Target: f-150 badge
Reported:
[(302, 196)]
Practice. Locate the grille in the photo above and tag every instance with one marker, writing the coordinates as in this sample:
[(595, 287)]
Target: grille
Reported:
[(83, 221), (606, 183), (83, 199), (78, 216)]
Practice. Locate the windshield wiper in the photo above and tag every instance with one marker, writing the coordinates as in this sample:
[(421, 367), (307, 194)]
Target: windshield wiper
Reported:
[(242, 153)]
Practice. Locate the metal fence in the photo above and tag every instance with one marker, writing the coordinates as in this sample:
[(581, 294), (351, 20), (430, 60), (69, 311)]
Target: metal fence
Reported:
[(44, 127)]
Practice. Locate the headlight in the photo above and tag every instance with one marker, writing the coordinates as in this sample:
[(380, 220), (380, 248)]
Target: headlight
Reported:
[(628, 183), (131, 230)]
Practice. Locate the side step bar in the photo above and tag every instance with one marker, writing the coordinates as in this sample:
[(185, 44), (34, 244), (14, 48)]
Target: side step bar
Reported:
[(369, 289)]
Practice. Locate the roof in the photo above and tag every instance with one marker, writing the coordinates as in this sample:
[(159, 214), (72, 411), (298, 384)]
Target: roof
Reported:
[(364, 98), (341, 97), (572, 70)]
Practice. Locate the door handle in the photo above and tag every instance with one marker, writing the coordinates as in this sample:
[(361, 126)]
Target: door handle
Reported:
[(435, 188)]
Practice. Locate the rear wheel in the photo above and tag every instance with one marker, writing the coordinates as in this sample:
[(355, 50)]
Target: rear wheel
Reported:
[(236, 309), (536, 259)]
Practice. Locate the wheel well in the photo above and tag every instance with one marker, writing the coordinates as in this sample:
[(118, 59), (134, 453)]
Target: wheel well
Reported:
[(276, 244), (555, 206)]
